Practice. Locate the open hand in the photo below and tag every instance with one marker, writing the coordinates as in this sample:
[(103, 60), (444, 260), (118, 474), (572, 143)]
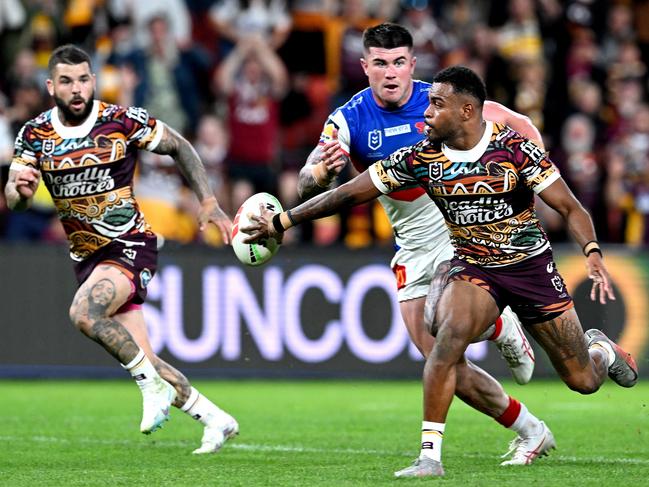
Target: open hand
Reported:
[(261, 227), (211, 212), (602, 287)]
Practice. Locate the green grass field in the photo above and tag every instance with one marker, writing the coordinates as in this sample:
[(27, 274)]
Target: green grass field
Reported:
[(311, 433)]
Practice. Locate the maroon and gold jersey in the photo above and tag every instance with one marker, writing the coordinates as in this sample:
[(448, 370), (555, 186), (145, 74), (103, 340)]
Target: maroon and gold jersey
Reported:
[(88, 170), (485, 194)]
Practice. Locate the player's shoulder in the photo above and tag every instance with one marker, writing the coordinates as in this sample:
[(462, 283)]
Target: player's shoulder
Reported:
[(358, 103), (505, 135), (111, 111), (41, 120), (39, 125), (409, 153)]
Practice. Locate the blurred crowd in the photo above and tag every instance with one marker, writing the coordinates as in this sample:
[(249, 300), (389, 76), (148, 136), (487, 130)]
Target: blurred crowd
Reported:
[(250, 83)]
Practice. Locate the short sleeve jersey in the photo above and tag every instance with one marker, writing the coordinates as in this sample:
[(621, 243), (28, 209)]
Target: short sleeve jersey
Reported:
[(486, 194), (88, 170), (368, 133)]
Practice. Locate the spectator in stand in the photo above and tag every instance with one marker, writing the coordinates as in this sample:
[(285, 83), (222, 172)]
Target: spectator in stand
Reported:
[(254, 80), (169, 88), (140, 13), (431, 43), (237, 19)]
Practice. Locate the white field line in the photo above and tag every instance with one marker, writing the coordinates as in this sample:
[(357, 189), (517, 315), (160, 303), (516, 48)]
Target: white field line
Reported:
[(235, 445)]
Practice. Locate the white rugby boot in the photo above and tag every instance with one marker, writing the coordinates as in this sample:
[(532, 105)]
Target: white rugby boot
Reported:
[(219, 429), (422, 467), (515, 348), (524, 450), (157, 398)]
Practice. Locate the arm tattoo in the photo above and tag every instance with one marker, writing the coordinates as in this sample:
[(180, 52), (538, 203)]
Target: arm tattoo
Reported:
[(187, 160), (325, 204), (306, 186)]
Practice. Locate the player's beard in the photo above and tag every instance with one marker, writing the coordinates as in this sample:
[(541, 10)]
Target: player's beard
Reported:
[(69, 114)]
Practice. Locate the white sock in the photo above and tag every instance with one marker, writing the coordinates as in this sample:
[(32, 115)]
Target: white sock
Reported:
[(432, 435), (610, 353), (141, 369), (526, 423), (201, 408)]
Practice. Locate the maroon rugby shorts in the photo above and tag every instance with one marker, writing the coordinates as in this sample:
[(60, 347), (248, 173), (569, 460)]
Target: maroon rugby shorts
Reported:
[(135, 255), (533, 288)]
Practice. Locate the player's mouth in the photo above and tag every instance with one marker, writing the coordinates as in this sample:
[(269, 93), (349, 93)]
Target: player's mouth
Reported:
[(391, 87), (77, 103)]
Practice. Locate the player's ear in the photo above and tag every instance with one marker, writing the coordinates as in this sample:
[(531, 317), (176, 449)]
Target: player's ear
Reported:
[(50, 86), (364, 65), (468, 109)]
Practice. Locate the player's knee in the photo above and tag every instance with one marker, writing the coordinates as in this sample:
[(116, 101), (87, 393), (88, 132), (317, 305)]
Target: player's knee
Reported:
[(583, 384), (80, 320), (450, 343)]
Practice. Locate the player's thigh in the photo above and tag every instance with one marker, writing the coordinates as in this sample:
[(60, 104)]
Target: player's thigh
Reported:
[(105, 290), (563, 340), (465, 310)]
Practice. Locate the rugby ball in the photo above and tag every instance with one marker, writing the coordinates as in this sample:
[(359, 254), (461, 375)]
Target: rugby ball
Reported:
[(257, 253)]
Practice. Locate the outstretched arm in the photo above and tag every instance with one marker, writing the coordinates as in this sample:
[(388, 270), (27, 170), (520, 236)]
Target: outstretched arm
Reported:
[(191, 167), (559, 197), (269, 225)]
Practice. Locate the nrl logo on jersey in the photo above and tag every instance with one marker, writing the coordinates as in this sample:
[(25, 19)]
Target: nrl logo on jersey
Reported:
[(374, 139), (436, 171), (48, 147)]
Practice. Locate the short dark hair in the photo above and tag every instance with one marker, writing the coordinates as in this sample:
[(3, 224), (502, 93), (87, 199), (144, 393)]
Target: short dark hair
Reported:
[(463, 80), (67, 54), (387, 36)]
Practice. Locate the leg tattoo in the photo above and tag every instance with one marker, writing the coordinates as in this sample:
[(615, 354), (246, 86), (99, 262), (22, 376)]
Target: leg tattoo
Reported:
[(176, 379), (116, 339)]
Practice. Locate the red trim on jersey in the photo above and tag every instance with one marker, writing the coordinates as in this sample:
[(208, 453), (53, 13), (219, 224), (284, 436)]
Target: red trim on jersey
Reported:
[(511, 413), (410, 194)]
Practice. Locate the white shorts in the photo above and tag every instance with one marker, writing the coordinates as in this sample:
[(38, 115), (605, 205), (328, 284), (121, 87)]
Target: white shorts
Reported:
[(414, 269)]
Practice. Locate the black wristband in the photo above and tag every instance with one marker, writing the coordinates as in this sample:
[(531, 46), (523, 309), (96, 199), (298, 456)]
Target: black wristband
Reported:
[(590, 247), (594, 249), (277, 224)]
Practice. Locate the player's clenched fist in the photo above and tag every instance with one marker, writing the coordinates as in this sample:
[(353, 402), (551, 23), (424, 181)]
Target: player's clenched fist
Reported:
[(27, 181)]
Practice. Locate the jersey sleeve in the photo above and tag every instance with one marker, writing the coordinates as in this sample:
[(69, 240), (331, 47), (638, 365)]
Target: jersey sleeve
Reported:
[(141, 129), (536, 170), (24, 150), (393, 172), (337, 121)]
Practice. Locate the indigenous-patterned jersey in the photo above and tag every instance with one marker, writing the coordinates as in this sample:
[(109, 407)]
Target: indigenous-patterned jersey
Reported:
[(88, 169), (486, 194), (368, 133)]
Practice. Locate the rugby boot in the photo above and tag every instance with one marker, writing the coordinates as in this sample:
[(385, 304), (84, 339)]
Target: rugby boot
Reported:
[(623, 370), (524, 450), (422, 467), (515, 348)]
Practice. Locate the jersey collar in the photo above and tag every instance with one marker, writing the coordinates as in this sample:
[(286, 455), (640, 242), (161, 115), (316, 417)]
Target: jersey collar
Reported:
[(78, 131), (475, 152)]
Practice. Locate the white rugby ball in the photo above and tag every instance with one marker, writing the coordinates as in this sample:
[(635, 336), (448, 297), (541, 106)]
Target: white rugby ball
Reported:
[(256, 253)]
